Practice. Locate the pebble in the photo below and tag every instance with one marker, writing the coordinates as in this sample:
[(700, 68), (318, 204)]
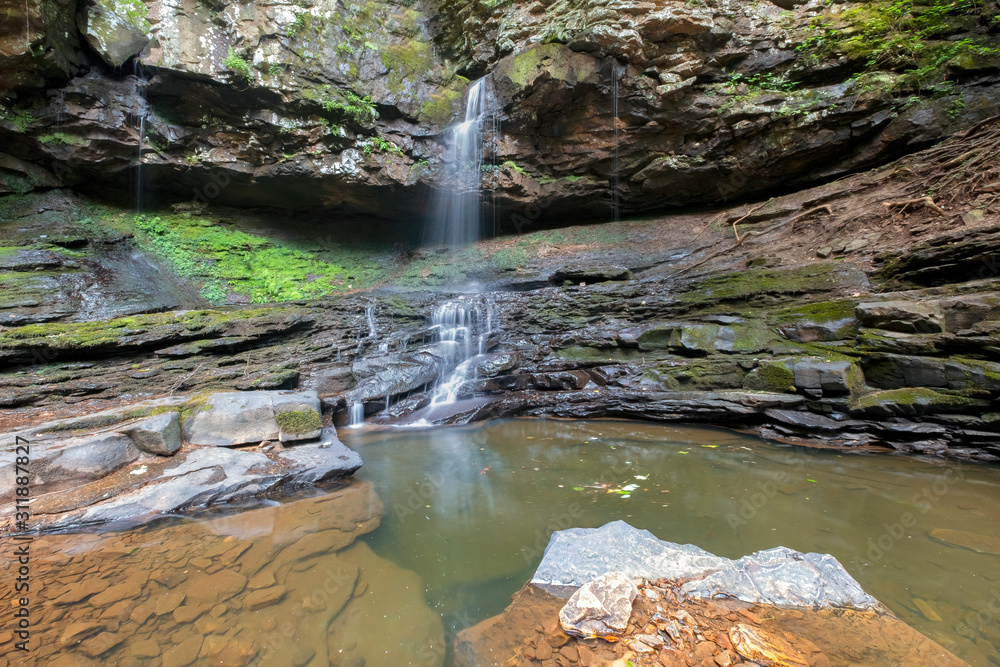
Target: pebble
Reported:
[(146, 648), (184, 653), (167, 602), (264, 597), (78, 631), (100, 644)]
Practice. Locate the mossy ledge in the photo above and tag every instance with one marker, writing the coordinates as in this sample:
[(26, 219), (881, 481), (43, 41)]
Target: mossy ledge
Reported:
[(65, 340), (299, 421)]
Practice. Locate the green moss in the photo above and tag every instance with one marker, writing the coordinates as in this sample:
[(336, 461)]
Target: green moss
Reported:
[(63, 138), (110, 333), (98, 422), (555, 59), (580, 353), (707, 375), (744, 285), (900, 45), (513, 166), (442, 106), (911, 397), (821, 312), (263, 269), (771, 376), (407, 62), (299, 421)]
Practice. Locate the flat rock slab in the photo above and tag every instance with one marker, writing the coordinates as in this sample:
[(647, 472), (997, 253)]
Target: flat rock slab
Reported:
[(199, 477), (247, 417), (778, 576)]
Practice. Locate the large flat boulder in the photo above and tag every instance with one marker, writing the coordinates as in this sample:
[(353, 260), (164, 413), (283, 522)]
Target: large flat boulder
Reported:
[(248, 417), (198, 477), (777, 576)]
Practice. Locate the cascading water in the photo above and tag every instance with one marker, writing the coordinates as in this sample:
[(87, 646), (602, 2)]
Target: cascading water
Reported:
[(458, 216), (140, 123), (357, 414), (462, 329)]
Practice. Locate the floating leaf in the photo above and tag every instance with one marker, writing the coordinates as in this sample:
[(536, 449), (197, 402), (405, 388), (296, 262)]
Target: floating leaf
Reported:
[(811, 480), (578, 488), (683, 452), (710, 446)]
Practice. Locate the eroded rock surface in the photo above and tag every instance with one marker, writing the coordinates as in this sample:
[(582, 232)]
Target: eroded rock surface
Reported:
[(803, 610)]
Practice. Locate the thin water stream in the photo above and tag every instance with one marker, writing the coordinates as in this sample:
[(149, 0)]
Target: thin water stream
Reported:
[(321, 580)]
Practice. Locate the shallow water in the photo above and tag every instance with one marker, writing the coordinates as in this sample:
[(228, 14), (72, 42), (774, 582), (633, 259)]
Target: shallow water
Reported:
[(470, 510), (467, 512)]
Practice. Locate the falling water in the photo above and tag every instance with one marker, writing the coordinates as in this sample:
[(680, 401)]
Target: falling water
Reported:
[(458, 211), (140, 119), (357, 414), (615, 74), (462, 328)]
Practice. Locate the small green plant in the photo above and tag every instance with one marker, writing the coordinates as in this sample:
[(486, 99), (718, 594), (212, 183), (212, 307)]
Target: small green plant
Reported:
[(956, 108), (361, 109), (765, 81), (513, 166), (19, 118), (300, 23), (373, 144), (344, 49), (238, 65)]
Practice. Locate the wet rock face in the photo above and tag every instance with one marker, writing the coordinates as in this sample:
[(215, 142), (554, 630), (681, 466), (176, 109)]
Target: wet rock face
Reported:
[(113, 38), (340, 106)]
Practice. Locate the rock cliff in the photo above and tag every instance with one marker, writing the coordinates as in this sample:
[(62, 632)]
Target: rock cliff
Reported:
[(343, 105)]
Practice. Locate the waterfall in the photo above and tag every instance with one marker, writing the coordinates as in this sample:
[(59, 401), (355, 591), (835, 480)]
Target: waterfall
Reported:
[(140, 120), (462, 329), (357, 414), (458, 209)]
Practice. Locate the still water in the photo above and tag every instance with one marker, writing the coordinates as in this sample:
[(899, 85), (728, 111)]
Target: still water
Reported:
[(443, 525)]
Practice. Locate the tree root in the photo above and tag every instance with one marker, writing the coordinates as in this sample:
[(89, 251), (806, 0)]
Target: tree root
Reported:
[(790, 221), (919, 201)]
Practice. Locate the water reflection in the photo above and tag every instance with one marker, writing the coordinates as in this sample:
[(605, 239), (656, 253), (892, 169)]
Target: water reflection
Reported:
[(453, 521), (470, 510)]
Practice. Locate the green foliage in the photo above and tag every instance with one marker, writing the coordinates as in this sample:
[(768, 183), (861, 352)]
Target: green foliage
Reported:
[(62, 138), (238, 65), (300, 23), (344, 49), (513, 166), (905, 37), (134, 11), (372, 144), (360, 109), (20, 118), (764, 81)]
